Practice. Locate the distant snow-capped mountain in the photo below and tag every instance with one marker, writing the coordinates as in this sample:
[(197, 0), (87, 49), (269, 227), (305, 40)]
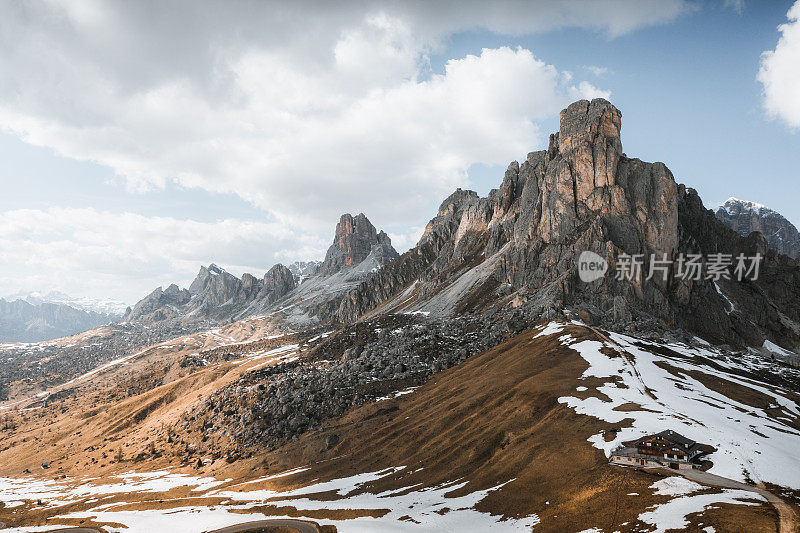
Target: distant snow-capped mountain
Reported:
[(23, 321), (746, 217), (304, 269), (104, 306)]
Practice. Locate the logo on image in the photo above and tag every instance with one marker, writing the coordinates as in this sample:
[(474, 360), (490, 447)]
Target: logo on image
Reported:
[(591, 266)]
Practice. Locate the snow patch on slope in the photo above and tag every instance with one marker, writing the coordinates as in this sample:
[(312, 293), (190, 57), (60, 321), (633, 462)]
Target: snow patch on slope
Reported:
[(429, 509), (675, 486), (672, 515), (752, 442), (732, 203)]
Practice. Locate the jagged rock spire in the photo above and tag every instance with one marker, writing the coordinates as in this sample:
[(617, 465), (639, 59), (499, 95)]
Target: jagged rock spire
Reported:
[(589, 137), (354, 240), (278, 281)]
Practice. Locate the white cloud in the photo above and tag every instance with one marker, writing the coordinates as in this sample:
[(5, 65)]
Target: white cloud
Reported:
[(780, 74), (306, 142), (124, 255), (736, 5), (597, 71), (307, 110)]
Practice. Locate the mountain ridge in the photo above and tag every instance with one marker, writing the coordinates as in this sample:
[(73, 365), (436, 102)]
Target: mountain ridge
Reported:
[(476, 373), (745, 217), (21, 321), (583, 193), (358, 250), (515, 251)]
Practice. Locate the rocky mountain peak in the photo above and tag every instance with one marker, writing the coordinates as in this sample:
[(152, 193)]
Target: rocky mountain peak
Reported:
[(745, 217), (735, 205), (590, 134), (592, 122), (215, 295), (584, 194), (213, 276), (278, 281), (354, 225), (249, 281), (353, 242), (158, 305), (172, 290)]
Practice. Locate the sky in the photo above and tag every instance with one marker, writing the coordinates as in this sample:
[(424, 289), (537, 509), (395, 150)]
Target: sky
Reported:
[(141, 140)]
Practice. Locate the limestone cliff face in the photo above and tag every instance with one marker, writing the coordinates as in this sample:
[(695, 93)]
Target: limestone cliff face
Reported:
[(767, 308), (515, 251), (521, 242), (278, 282), (746, 217), (582, 193)]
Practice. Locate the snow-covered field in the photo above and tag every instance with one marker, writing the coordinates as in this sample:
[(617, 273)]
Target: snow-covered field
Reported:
[(672, 514), (418, 509), (759, 443)]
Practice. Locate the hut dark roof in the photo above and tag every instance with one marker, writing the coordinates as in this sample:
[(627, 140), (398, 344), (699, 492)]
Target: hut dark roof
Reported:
[(672, 436), (677, 438)]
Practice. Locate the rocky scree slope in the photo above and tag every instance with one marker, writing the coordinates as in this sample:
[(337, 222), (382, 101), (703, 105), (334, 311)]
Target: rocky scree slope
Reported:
[(355, 365), (746, 217), (519, 246), (39, 366)]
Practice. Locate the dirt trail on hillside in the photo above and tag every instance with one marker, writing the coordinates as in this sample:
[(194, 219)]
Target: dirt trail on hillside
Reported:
[(632, 365), (299, 526)]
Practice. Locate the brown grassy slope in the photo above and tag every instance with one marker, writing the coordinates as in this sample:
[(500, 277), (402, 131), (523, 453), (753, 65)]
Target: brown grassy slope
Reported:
[(253, 333), (83, 433), (494, 418)]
